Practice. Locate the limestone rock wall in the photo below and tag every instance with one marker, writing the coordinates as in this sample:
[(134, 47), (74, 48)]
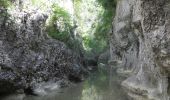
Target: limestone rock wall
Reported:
[(140, 40), (29, 57)]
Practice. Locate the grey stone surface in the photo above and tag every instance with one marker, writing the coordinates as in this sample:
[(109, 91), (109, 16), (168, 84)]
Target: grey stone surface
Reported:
[(29, 57), (104, 57), (140, 39)]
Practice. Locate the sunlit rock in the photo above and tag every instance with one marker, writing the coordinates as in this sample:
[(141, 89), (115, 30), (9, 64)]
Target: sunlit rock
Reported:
[(29, 57), (140, 39)]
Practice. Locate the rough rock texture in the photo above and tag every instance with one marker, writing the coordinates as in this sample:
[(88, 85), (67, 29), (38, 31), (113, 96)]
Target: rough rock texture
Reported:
[(141, 40), (29, 57), (104, 57)]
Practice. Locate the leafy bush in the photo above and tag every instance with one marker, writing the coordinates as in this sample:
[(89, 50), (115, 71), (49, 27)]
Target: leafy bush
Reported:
[(95, 38), (99, 16), (59, 26), (105, 18), (93, 46), (5, 3), (99, 42)]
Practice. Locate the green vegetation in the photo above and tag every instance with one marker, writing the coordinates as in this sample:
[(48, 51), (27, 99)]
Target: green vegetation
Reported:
[(59, 26), (93, 46), (77, 7), (40, 4), (5, 3), (91, 21), (94, 19), (106, 18)]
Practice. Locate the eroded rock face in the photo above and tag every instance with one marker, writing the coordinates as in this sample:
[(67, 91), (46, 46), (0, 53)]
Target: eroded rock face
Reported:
[(104, 57), (29, 57), (140, 39)]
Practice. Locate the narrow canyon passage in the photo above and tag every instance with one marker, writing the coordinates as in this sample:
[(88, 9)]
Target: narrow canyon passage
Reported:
[(84, 49)]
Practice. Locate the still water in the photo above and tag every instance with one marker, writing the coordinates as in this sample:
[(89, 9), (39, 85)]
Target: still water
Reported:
[(101, 85)]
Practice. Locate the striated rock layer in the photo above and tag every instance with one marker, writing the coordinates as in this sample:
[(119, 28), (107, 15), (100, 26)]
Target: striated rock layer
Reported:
[(141, 41), (28, 57)]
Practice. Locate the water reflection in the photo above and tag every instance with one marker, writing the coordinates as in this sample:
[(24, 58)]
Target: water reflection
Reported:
[(101, 85)]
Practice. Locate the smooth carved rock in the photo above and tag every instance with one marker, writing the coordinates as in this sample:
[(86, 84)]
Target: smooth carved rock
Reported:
[(140, 39)]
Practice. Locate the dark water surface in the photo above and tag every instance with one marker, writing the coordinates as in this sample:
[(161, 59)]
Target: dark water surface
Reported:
[(101, 85)]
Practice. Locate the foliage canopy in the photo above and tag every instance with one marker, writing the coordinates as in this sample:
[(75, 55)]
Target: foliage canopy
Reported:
[(5, 3), (59, 24)]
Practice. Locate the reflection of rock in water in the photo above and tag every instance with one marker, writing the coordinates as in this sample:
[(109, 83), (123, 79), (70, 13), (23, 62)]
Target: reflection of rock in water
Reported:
[(104, 85), (100, 85), (13, 97)]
